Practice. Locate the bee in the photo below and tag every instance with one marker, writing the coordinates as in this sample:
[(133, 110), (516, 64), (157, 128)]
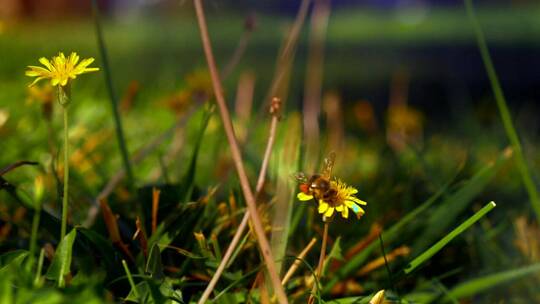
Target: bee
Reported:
[(319, 184)]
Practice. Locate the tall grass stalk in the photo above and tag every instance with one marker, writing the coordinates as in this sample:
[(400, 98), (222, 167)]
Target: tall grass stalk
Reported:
[(426, 255), (112, 94), (237, 157), (297, 261), (503, 110)]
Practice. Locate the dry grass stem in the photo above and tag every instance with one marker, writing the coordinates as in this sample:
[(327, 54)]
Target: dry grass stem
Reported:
[(379, 262), (297, 262), (314, 78), (249, 26), (275, 110), (237, 157)]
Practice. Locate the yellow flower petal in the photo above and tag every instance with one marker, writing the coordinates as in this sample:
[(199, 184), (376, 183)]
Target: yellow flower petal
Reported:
[(304, 197), (329, 212), (323, 207), (356, 200), (46, 63), (345, 212)]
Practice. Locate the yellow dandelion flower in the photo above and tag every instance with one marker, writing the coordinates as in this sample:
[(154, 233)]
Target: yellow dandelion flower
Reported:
[(339, 198), (60, 69)]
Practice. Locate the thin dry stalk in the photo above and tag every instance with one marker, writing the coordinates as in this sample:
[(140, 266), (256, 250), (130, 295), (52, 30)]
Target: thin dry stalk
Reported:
[(297, 262), (286, 55), (274, 110), (374, 232), (237, 157), (380, 261), (244, 102), (249, 26), (321, 263), (242, 227), (314, 78)]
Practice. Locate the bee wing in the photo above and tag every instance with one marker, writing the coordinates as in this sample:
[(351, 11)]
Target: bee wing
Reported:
[(300, 177), (328, 164)]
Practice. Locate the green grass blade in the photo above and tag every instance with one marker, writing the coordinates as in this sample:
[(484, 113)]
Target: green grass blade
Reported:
[(478, 285), (503, 110), (112, 94), (130, 279), (449, 237), (446, 213), (189, 179)]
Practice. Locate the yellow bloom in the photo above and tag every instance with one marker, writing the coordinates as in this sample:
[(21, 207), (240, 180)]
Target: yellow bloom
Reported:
[(60, 69), (341, 201)]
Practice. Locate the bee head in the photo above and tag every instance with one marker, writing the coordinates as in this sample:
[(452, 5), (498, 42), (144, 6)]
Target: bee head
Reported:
[(304, 188)]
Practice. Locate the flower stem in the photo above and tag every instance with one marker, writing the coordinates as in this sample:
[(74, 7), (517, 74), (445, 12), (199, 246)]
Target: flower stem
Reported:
[(37, 278), (64, 99), (322, 256), (35, 227)]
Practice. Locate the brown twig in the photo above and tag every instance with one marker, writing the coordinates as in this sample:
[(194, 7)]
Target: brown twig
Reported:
[(16, 165), (274, 110), (297, 262), (155, 205), (237, 157)]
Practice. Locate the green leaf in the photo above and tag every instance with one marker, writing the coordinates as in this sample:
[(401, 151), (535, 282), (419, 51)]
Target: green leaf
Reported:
[(154, 265), (61, 262), (8, 257), (152, 292), (101, 245), (189, 178), (12, 264), (335, 254)]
